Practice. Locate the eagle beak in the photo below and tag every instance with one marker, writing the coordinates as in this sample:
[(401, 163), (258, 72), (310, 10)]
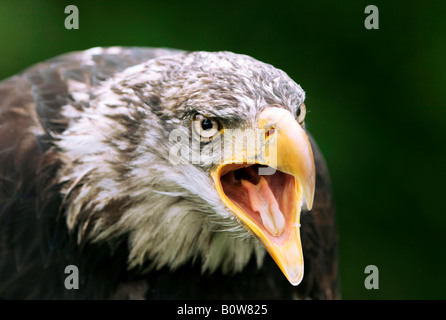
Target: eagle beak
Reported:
[(266, 186)]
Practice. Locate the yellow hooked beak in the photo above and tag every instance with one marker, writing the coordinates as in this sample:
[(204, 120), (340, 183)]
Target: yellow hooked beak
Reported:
[(266, 185)]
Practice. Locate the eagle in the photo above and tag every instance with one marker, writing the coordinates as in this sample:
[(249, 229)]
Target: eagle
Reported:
[(162, 174)]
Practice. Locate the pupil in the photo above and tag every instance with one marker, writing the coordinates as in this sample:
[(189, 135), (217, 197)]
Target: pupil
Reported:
[(206, 124)]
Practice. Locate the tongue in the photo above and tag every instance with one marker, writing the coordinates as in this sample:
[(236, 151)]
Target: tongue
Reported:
[(263, 201)]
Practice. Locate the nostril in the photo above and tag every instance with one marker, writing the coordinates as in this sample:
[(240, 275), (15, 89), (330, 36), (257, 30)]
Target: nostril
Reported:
[(270, 131)]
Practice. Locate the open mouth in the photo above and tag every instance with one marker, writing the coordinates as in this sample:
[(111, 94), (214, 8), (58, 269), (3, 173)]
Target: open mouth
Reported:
[(270, 203), (267, 200)]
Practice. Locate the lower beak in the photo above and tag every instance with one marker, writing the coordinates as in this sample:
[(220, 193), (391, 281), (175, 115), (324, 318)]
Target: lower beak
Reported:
[(265, 187)]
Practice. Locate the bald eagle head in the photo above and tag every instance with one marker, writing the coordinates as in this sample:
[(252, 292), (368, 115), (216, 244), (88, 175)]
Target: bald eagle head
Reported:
[(196, 157)]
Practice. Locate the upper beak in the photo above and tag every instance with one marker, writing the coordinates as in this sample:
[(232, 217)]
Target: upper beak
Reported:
[(268, 201)]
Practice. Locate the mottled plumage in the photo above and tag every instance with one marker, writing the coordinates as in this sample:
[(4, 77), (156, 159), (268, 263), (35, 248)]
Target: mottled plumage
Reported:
[(86, 180)]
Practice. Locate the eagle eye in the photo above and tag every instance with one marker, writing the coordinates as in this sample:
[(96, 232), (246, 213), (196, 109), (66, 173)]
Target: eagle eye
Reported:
[(205, 129), (301, 112)]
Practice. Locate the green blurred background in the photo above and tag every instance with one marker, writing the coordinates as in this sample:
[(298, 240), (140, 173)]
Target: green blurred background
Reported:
[(376, 101)]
